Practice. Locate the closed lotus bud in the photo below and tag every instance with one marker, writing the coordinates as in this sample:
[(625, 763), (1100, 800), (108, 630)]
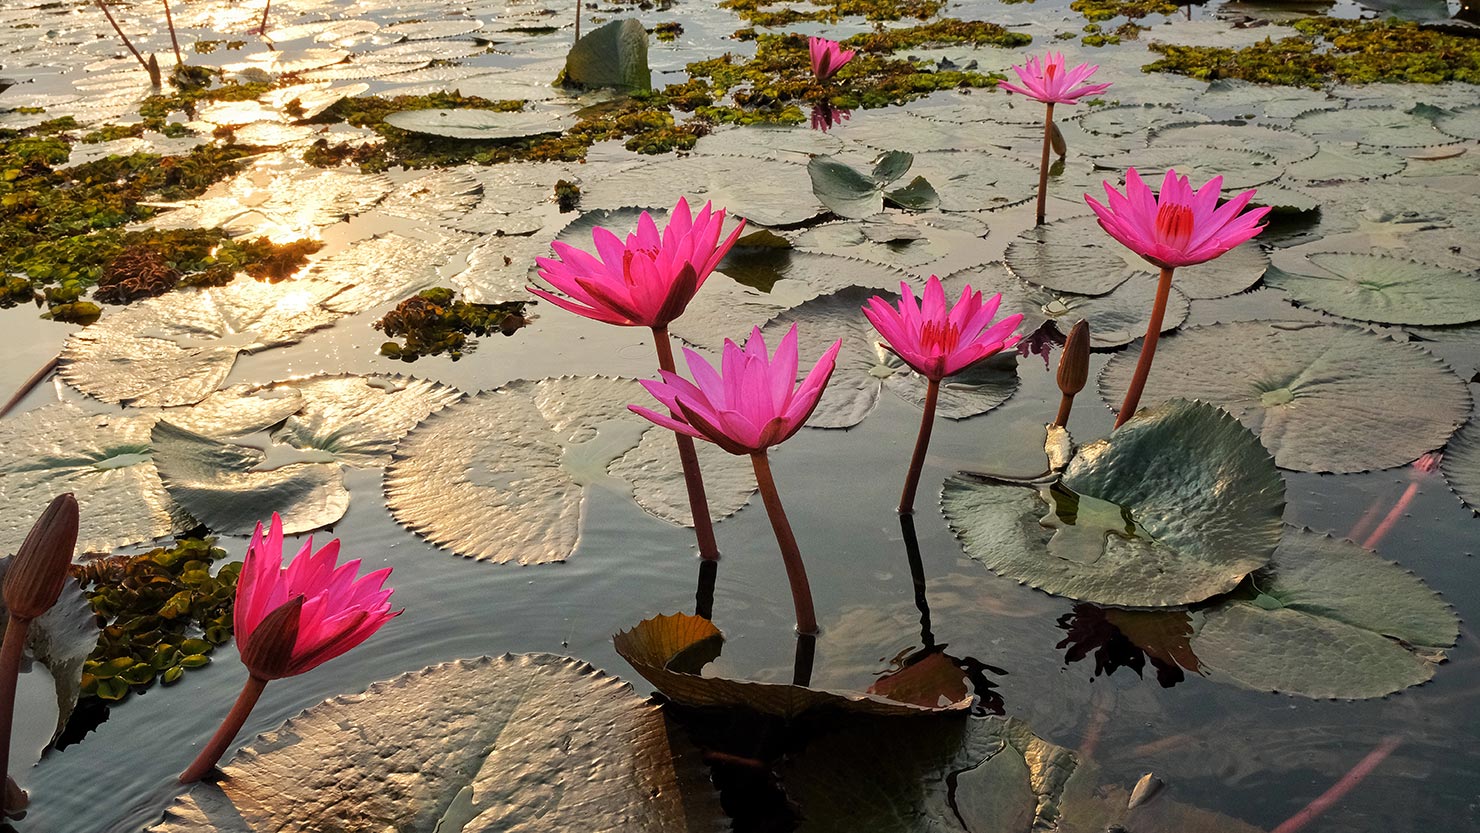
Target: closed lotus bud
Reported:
[(268, 652), (1074, 362), (38, 571)]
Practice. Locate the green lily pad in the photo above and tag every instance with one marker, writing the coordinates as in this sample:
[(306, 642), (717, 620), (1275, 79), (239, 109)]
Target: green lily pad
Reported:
[(1382, 126), (970, 180), (1229, 274), (472, 745), (669, 651), (104, 459), (1461, 464), (1240, 169), (1345, 163), (764, 191), (1461, 123), (1175, 507), (1322, 397), (1385, 289), (851, 194), (61, 640), (476, 124), (1073, 255), (1329, 620), (614, 55)]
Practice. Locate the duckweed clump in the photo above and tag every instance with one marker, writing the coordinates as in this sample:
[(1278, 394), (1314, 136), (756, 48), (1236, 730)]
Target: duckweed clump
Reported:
[(162, 612), (947, 32), (1098, 11), (1326, 50), (434, 322), (831, 11)]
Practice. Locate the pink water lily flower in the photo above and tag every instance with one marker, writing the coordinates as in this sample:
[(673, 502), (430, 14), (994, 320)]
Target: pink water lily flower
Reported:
[(828, 56), (1179, 226), (939, 340), (1048, 80), (751, 404), (339, 610), (646, 280)]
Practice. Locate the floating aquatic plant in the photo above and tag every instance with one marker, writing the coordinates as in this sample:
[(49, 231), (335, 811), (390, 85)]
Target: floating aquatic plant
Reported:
[(433, 322), (1050, 81)]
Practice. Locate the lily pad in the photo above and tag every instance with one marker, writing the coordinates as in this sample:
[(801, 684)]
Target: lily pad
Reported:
[(669, 650), (501, 267), (103, 459), (1385, 289), (438, 198), (1462, 123), (1345, 163), (474, 746), (227, 488), (854, 195), (1382, 126), (970, 180), (764, 191), (485, 125), (1328, 619), (382, 269), (1286, 146), (1130, 119), (1229, 274), (614, 55), (1239, 168), (1461, 464), (1073, 255), (61, 640), (359, 419), (1322, 397), (1175, 507), (178, 348)]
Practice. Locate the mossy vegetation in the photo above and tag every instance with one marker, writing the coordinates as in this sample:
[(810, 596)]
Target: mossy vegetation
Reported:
[(948, 32), (1327, 50), (435, 322), (668, 31), (162, 613), (759, 13), (1099, 11), (190, 92)]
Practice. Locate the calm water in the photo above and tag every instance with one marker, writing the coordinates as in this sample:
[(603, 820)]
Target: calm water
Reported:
[(1253, 756)]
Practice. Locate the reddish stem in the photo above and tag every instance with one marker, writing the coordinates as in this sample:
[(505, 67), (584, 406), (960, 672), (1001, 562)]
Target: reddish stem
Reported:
[(213, 751), (922, 442), (689, 457), (10, 665), (1148, 349), (1339, 790), (30, 384), (126, 42), (262, 27), (169, 20), (1066, 406), (1043, 166), (791, 555)]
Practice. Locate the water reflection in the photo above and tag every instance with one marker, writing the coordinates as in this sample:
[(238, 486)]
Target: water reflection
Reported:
[(1128, 639), (1041, 342), (825, 116), (704, 596)]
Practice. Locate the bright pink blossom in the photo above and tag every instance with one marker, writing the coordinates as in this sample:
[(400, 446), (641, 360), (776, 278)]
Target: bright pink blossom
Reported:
[(828, 56), (1178, 227), (939, 340), (339, 611), (646, 281), (751, 404), (1049, 81)]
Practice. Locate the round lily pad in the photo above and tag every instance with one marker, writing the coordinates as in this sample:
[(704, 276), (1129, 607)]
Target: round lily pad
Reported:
[(764, 191), (1240, 169), (1382, 126), (1328, 619), (971, 180), (1345, 163), (359, 419), (1461, 464), (1322, 397), (1462, 123), (1385, 289), (472, 745), (1228, 274), (1286, 146), (1175, 507), (486, 125), (1074, 255), (383, 269), (1131, 119)]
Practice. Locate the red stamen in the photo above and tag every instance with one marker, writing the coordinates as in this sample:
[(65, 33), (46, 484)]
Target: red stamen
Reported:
[(936, 337), (1174, 225)]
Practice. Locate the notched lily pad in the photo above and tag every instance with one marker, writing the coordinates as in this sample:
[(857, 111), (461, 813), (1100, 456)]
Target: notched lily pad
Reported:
[(1069, 256), (669, 651), (1175, 507), (1389, 290), (485, 125), (1461, 464), (474, 746)]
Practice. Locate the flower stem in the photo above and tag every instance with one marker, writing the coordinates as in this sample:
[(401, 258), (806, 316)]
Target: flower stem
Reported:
[(1043, 166), (806, 655), (922, 442), (262, 27), (689, 457), (126, 42), (10, 664), (791, 556), (224, 735), (1148, 349), (704, 595), (169, 20)]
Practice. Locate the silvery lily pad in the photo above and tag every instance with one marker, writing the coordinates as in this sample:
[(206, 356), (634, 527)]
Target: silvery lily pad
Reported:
[(764, 191), (1175, 507), (1345, 163), (382, 269), (177, 348), (1286, 146), (1461, 464), (61, 640), (1462, 123), (976, 181), (278, 200), (474, 746), (1381, 126), (104, 459), (653, 469), (1322, 397), (359, 419), (501, 268), (1069, 256), (231, 488), (1240, 169), (1229, 274), (1385, 289), (670, 650), (1328, 619), (438, 198), (1132, 119), (486, 125)]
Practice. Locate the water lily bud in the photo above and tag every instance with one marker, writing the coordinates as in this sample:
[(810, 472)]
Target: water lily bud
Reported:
[(268, 652), (1074, 362), (38, 571)]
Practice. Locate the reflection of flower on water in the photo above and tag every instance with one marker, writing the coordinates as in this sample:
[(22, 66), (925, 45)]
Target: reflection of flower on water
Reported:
[(929, 676), (825, 116), (1041, 342), (1126, 639)]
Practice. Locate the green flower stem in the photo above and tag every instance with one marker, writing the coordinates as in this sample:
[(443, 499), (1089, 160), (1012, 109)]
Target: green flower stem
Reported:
[(213, 751), (689, 457), (791, 556), (1148, 349), (922, 442), (10, 664), (1043, 166)]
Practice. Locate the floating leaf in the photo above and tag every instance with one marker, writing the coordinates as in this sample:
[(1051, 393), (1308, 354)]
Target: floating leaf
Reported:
[(467, 745), (656, 475), (1069, 256), (359, 419), (61, 640), (852, 194), (382, 269), (614, 55), (1381, 126), (976, 181), (103, 459), (1463, 123), (1229, 274), (1286, 146), (501, 268), (1461, 464), (177, 348), (669, 650), (1240, 169), (1345, 163), (1322, 397), (768, 192), (439, 198), (1385, 289), (1132, 119), (223, 486), (1176, 506), (486, 125), (1336, 621), (237, 410)]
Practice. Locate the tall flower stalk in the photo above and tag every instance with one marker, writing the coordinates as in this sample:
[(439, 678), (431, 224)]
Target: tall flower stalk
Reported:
[(1176, 227), (1048, 80), (754, 404), (292, 619), (647, 280), (939, 340)]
